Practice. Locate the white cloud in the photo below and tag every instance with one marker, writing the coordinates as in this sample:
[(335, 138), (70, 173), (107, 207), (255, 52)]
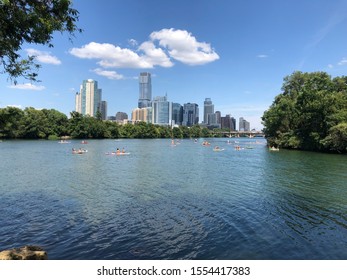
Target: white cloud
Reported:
[(133, 42), (343, 61), (43, 57), (27, 86), (330, 66), (111, 56), (155, 56), (262, 56), (173, 44), (184, 47), (112, 75)]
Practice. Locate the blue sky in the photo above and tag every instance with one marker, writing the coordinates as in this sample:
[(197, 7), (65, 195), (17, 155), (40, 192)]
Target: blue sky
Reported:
[(235, 52)]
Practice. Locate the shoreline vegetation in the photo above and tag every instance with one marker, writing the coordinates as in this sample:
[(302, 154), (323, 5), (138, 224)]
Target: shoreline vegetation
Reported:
[(310, 114), (51, 124)]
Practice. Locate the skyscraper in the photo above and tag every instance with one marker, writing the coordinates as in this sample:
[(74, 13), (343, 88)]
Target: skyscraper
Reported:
[(161, 111), (208, 109), (145, 87), (103, 110), (88, 100), (177, 113), (244, 125), (190, 114)]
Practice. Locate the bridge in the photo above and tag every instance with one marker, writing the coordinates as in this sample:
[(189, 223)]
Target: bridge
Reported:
[(249, 134)]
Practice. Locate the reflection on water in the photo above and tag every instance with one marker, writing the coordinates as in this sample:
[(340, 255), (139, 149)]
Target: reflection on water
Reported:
[(181, 202)]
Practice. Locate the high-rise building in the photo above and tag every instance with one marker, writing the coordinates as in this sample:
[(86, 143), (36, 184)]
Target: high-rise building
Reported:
[(161, 111), (88, 100), (103, 110), (208, 109), (190, 114), (228, 122), (244, 125), (177, 113), (145, 87)]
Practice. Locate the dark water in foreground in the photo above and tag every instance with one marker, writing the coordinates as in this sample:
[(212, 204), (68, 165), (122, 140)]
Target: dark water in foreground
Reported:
[(164, 202)]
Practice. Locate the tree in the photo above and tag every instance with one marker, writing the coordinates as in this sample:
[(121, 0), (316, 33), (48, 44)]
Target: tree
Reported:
[(33, 22), (310, 114)]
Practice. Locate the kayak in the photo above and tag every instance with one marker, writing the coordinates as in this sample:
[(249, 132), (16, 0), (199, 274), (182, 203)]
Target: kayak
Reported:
[(115, 154)]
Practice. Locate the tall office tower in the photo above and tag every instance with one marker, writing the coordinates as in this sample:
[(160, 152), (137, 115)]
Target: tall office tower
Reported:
[(88, 100), (190, 114), (208, 109), (145, 86), (177, 113), (244, 125), (161, 111), (219, 115), (233, 123), (103, 110), (228, 122)]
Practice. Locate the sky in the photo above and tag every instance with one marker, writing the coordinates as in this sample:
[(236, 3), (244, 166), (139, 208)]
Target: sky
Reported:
[(236, 52)]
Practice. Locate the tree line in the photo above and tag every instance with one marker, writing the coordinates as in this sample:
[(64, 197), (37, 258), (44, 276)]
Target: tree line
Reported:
[(309, 114), (51, 124)]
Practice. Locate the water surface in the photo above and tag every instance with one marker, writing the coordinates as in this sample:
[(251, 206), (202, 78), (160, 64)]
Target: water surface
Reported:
[(172, 202)]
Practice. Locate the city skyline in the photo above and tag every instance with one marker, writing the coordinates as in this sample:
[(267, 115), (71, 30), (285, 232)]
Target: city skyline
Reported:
[(236, 53)]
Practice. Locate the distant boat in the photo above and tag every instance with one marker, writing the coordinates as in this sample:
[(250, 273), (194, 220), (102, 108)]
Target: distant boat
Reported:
[(84, 142), (64, 142), (79, 151), (116, 154), (274, 149)]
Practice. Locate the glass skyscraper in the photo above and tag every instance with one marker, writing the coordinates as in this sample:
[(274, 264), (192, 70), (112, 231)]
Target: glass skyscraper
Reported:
[(208, 109), (190, 114), (88, 100), (162, 111), (145, 87)]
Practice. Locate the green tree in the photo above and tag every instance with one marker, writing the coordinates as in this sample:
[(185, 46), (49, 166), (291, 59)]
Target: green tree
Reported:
[(10, 122), (309, 114), (33, 22)]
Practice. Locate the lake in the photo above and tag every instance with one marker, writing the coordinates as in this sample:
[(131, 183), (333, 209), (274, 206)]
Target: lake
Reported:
[(172, 202)]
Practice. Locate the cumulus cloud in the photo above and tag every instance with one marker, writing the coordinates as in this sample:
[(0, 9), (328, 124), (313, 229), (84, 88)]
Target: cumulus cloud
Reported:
[(162, 47), (155, 56), (43, 57), (184, 47), (112, 75), (27, 86)]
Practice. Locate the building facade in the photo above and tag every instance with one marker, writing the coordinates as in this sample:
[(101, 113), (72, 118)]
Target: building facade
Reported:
[(121, 116), (228, 123), (177, 114), (190, 114), (208, 109), (103, 110), (88, 100), (145, 88), (244, 125), (161, 111), (141, 115)]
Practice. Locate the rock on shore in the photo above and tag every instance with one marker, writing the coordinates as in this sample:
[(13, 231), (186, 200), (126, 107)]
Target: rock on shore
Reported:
[(24, 253)]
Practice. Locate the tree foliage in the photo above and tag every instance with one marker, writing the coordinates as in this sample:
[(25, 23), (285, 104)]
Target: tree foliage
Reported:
[(32, 22), (310, 113), (31, 123)]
